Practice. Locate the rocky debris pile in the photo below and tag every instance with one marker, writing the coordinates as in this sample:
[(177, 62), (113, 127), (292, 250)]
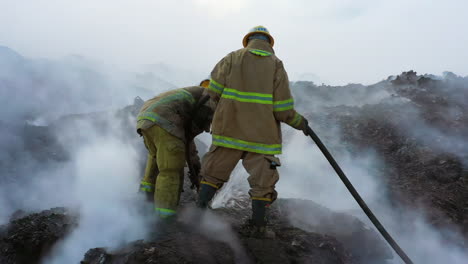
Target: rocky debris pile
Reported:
[(416, 172), (28, 239), (318, 236), (308, 216), (419, 132), (442, 103), (310, 97), (347, 229), (296, 241), (418, 125), (291, 246), (177, 248), (25, 147)]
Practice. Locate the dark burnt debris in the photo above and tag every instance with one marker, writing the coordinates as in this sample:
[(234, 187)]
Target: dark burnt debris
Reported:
[(416, 124), (27, 239), (420, 132), (291, 244)]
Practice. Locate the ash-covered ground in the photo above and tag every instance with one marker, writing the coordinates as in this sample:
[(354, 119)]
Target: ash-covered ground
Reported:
[(402, 142), (420, 132)]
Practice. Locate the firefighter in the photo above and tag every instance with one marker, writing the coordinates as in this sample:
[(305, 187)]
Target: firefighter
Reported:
[(249, 89), (167, 123)]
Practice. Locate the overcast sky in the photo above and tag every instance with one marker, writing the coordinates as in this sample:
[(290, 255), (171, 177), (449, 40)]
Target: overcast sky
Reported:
[(341, 41)]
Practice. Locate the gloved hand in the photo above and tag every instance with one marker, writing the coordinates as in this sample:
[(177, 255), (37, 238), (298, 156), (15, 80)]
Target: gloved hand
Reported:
[(197, 167), (306, 128), (149, 196), (202, 119), (194, 175)]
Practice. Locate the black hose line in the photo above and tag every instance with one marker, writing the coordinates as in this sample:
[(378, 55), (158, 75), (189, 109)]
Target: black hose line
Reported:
[(358, 198)]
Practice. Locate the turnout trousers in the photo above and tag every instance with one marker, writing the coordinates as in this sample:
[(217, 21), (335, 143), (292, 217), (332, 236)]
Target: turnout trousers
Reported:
[(219, 162), (164, 169)]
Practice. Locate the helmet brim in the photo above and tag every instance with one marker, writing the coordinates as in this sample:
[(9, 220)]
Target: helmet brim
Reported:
[(246, 38), (205, 83)]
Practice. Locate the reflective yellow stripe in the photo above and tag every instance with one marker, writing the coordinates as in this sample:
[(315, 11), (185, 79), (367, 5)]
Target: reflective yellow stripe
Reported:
[(180, 94), (216, 87), (146, 183), (247, 97), (296, 121), (261, 199), (154, 117), (149, 114), (146, 189), (146, 186), (260, 52), (165, 212), (283, 105), (210, 184), (234, 143)]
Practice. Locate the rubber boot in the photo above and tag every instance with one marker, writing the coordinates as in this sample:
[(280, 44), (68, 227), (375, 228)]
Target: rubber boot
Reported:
[(163, 227), (146, 190), (205, 195), (149, 196), (146, 208), (259, 220)]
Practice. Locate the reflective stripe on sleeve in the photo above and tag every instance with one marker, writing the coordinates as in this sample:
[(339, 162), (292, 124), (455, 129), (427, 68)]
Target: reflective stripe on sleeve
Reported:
[(284, 105), (146, 186), (148, 114), (152, 116), (229, 142), (296, 121), (247, 97), (216, 87), (180, 94)]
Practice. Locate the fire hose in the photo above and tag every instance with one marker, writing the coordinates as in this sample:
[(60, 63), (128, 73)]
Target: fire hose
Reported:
[(358, 198)]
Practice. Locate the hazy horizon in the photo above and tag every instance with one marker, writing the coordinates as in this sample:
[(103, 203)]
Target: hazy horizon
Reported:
[(337, 41)]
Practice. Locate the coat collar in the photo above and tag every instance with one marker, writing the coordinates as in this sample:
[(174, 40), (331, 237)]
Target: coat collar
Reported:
[(260, 44)]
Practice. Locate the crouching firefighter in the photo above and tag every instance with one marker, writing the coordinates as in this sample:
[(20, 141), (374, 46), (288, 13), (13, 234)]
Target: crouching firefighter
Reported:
[(168, 124), (250, 89)]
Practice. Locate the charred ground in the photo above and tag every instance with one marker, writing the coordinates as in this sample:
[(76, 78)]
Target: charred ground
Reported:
[(416, 124), (420, 131)]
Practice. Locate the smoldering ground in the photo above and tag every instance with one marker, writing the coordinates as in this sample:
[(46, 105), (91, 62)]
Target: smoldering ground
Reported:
[(68, 141), (213, 226), (412, 117), (34, 93), (64, 144), (39, 98), (103, 190), (95, 171), (313, 178), (306, 174)]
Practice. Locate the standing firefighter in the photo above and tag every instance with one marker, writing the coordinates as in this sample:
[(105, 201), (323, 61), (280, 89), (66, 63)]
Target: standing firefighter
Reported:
[(250, 89), (168, 124)]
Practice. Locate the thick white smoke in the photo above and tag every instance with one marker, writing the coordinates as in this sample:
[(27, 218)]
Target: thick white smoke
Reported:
[(90, 163), (103, 192)]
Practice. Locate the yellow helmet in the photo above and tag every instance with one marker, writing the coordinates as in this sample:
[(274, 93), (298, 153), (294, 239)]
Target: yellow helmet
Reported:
[(258, 30), (205, 83)]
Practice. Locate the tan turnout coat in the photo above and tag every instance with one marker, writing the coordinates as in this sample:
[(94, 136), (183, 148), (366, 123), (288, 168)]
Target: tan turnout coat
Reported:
[(250, 90)]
